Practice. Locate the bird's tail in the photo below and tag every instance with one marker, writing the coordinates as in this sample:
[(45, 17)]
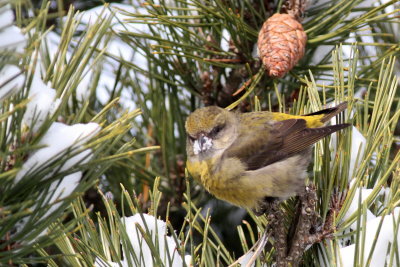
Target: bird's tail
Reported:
[(329, 112)]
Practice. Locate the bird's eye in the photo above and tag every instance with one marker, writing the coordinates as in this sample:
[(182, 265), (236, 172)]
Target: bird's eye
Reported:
[(216, 130), (191, 138)]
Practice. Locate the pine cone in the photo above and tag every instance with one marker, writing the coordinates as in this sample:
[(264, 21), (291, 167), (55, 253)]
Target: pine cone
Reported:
[(281, 44)]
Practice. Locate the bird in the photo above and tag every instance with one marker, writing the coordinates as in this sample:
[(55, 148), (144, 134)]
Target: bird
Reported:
[(250, 159)]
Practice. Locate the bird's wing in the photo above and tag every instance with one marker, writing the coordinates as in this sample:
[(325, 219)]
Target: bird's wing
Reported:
[(265, 143)]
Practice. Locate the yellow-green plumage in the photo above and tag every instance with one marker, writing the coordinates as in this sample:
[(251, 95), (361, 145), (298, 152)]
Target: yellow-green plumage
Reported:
[(243, 158), (311, 121)]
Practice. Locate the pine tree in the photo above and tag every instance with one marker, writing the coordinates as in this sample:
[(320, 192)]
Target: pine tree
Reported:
[(96, 104)]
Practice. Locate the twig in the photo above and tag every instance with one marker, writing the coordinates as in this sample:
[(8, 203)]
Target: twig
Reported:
[(307, 220), (245, 85), (302, 238), (224, 60), (279, 233), (296, 8)]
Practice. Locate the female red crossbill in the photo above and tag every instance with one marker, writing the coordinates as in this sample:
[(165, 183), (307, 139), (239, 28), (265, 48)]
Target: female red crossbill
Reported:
[(246, 158)]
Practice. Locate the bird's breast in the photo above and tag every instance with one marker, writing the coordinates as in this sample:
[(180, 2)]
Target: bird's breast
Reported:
[(221, 178), (201, 171)]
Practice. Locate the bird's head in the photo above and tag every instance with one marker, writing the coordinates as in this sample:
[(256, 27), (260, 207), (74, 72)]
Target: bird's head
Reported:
[(210, 129)]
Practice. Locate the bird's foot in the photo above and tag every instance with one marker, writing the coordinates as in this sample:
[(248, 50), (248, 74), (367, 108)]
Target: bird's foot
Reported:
[(266, 206)]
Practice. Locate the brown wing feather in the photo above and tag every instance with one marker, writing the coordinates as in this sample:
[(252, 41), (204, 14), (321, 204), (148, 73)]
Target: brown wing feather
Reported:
[(297, 142), (271, 143), (271, 151), (261, 145)]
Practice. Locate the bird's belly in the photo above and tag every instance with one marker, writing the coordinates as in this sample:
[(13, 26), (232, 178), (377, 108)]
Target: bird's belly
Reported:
[(230, 181), (281, 179)]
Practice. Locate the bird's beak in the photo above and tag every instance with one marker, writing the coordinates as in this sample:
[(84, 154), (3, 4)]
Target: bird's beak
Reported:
[(202, 144)]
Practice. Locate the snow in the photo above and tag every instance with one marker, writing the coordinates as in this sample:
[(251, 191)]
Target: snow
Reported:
[(121, 13), (386, 236), (52, 41), (157, 230), (6, 16), (10, 80), (188, 260), (61, 189), (117, 48), (102, 263), (11, 39), (83, 88), (58, 140), (43, 103), (11, 36), (347, 256), (358, 144), (226, 36), (354, 207)]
